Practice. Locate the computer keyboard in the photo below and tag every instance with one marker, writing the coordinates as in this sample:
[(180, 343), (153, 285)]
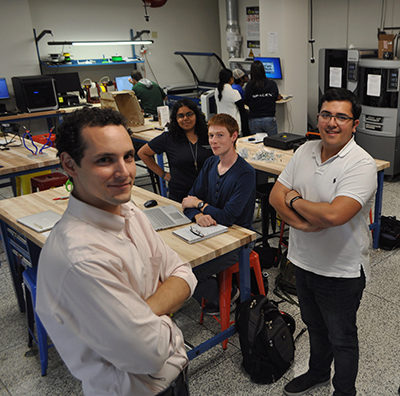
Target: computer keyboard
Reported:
[(159, 219)]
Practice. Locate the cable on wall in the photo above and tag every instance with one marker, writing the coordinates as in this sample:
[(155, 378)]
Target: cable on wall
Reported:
[(311, 40)]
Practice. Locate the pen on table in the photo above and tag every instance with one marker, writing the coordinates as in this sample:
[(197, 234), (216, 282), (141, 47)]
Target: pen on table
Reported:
[(60, 198)]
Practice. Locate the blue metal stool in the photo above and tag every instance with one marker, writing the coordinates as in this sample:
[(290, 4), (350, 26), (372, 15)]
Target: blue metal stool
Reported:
[(30, 278)]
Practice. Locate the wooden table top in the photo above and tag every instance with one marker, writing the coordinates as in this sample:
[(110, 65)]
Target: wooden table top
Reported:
[(48, 113), (198, 253), (147, 132), (280, 158), (18, 159)]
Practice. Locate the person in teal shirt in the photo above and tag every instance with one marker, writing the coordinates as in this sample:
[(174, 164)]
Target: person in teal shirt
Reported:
[(148, 92)]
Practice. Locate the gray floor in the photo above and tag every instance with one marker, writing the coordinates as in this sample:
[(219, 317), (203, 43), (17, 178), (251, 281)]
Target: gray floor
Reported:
[(219, 372)]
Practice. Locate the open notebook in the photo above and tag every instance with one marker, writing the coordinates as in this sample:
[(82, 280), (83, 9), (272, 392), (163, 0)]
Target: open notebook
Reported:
[(40, 222), (196, 233)]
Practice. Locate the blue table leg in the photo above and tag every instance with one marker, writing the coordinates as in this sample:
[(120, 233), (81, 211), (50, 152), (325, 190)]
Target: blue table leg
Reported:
[(15, 268), (244, 272), (376, 226), (163, 187)]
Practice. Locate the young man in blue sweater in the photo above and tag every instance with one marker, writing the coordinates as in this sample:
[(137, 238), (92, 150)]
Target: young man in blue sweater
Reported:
[(223, 193)]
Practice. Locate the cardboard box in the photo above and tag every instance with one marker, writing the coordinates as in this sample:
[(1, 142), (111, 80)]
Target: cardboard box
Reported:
[(126, 103), (385, 46)]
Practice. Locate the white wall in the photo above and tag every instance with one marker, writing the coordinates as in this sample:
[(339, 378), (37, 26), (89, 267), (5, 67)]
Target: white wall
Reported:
[(189, 25), (287, 19), (18, 54), (178, 25)]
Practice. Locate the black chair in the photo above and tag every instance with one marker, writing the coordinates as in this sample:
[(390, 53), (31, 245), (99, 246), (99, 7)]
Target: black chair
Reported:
[(154, 180)]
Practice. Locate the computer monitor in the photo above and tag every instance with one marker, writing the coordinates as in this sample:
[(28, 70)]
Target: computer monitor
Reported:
[(4, 94), (66, 82), (272, 67), (35, 93), (123, 83)]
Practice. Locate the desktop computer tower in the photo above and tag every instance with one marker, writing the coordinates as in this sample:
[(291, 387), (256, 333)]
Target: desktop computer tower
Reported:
[(35, 93)]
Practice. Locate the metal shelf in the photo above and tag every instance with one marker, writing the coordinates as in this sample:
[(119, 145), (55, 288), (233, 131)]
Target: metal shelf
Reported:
[(93, 63)]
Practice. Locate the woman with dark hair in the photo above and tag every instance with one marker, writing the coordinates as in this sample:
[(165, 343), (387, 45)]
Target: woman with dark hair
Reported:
[(186, 146), (260, 95), (229, 101)]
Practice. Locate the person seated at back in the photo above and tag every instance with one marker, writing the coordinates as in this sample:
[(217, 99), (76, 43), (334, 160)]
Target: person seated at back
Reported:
[(223, 193), (186, 146), (150, 94), (107, 282)]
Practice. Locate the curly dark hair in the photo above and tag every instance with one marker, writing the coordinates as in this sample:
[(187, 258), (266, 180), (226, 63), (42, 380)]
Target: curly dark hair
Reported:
[(200, 127), (69, 134)]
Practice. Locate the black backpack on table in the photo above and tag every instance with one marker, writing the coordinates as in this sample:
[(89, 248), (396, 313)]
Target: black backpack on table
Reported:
[(266, 339)]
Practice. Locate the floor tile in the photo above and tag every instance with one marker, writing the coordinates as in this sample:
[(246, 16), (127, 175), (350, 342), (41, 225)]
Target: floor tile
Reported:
[(3, 390), (385, 277)]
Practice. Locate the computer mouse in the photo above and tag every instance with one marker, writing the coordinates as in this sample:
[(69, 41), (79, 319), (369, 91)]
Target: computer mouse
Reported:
[(150, 203), (251, 139)]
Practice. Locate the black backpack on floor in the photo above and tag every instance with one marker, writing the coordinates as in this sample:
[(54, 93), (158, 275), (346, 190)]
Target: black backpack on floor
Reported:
[(266, 340), (389, 237)]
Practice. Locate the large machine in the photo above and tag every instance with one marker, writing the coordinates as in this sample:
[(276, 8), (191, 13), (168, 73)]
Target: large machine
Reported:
[(378, 91), (339, 67)]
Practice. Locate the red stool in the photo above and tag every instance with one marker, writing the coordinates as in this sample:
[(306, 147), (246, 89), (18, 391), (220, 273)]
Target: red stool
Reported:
[(225, 289), (44, 182)]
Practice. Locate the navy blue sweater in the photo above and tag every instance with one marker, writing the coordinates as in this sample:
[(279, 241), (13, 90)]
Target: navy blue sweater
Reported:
[(230, 197)]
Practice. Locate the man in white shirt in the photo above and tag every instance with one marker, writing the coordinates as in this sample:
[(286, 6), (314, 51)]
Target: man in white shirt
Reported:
[(325, 194), (106, 281)]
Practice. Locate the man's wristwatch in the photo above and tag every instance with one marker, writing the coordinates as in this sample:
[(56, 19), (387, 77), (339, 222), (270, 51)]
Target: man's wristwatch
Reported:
[(294, 199), (200, 205)]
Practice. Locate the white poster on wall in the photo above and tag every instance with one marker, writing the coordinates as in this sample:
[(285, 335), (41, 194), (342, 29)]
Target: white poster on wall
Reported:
[(272, 42), (374, 85), (253, 31), (335, 77)]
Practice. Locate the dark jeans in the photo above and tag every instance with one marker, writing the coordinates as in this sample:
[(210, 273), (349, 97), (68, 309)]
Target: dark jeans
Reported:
[(329, 308), (207, 286)]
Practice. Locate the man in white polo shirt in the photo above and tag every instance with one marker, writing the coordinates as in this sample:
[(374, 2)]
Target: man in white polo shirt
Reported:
[(325, 194)]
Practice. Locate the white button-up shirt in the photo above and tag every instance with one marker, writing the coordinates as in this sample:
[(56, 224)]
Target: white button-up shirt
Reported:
[(95, 272)]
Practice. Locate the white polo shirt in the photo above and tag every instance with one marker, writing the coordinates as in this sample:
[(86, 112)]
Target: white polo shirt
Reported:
[(336, 251)]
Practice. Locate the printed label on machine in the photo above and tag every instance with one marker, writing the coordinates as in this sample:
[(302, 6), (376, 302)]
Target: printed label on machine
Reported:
[(373, 127), (373, 118)]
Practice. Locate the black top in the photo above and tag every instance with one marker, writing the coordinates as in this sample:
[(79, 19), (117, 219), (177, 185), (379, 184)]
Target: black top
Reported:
[(181, 162), (261, 102)]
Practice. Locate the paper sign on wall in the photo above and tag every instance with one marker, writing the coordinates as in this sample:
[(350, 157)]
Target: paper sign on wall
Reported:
[(272, 42), (253, 31), (335, 77), (374, 85)]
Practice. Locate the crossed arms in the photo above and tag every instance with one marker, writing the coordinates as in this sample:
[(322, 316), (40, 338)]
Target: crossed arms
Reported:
[(310, 216)]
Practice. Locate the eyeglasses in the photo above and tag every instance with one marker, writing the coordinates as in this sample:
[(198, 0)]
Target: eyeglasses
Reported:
[(340, 118), (196, 232), (189, 114)]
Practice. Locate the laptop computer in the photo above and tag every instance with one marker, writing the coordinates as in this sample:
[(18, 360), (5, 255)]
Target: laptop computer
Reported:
[(163, 217), (123, 83), (40, 222)]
